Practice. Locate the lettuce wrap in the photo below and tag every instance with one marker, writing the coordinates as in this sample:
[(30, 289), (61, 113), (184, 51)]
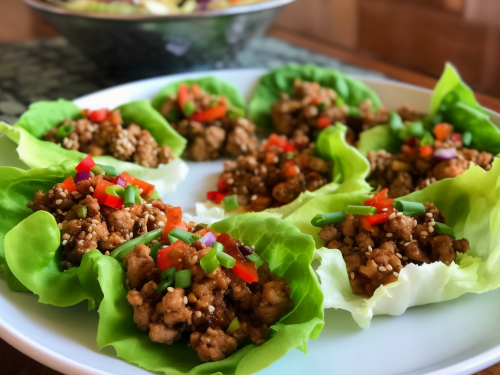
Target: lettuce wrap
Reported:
[(289, 254), (471, 205), (271, 85), (42, 116)]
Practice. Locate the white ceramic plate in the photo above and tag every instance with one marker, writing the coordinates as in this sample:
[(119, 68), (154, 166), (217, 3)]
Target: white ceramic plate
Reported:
[(455, 337)]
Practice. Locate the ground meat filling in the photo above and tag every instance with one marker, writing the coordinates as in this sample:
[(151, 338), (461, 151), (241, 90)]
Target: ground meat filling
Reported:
[(376, 258), (272, 177), (205, 310), (111, 137), (232, 134), (104, 228), (404, 173)]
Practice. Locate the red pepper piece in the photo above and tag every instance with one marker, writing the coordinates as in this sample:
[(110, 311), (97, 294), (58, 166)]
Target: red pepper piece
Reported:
[(365, 224), (289, 148), (426, 150), (174, 220), (210, 114), (275, 140), (442, 131), (86, 164), (219, 197), (147, 189), (99, 115), (69, 185), (115, 117), (246, 271), (380, 201), (379, 218), (164, 260), (270, 158), (323, 122), (100, 190), (222, 185), (112, 201), (412, 142), (211, 195), (183, 94)]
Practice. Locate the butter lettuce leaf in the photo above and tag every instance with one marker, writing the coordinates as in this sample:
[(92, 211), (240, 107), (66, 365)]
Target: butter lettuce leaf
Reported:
[(279, 81), (289, 254)]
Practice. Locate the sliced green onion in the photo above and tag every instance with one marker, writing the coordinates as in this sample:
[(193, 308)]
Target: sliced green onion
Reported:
[(155, 195), (195, 238), (96, 170), (64, 130), (199, 227), (137, 196), (321, 220), (209, 262), (467, 138), (410, 208), (436, 119), (255, 259), (219, 248), (444, 229), (395, 123), (416, 129), (179, 234), (110, 170), (321, 106), (427, 139), (127, 247), (183, 279), (129, 196), (233, 327), (80, 210), (164, 285), (167, 274), (290, 155), (361, 210), (174, 115), (231, 202), (116, 190), (154, 250), (226, 260), (235, 113), (354, 112), (189, 108), (339, 101)]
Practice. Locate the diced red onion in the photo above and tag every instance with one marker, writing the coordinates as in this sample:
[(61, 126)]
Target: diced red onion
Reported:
[(82, 176), (445, 153), (208, 239), (121, 182)]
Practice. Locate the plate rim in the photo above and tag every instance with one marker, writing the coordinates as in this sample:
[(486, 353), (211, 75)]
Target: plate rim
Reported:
[(60, 363)]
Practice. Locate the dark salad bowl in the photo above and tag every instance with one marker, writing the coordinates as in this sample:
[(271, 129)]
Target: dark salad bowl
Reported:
[(139, 46)]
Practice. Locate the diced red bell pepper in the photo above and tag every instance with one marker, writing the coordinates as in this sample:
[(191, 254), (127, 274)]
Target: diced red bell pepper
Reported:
[(174, 220), (365, 224), (275, 140), (112, 201), (211, 195), (210, 114), (323, 122), (196, 90), (69, 185), (426, 150), (203, 231), (219, 197), (380, 201), (442, 131), (246, 271), (407, 150), (379, 218), (115, 117), (289, 148), (99, 115), (147, 189), (291, 169), (270, 158), (100, 190), (222, 185), (183, 94), (412, 142), (164, 260), (86, 164)]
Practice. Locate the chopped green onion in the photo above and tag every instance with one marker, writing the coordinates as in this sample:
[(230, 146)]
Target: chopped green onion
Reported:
[(174, 115), (164, 285), (395, 123), (219, 248), (110, 170), (189, 108), (154, 250), (155, 195), (361, 210), (127, 247), (209, 262), (416, 129), (195, 238), (354, 112), (137, 195), (255, 259), (199, 227), (427, 139), (321, 220), (167, 274), (233, 327), (97, 170), (231, 202), (339, 101), (410, 208), (290, 155), (179, 234), (444, 229), (436, 119), (226, 260), (467, 138), (235, 113), (215, 100), (64, 130), (116, 190), (322, 106), (80, 210), (129, 196), (183, 279)]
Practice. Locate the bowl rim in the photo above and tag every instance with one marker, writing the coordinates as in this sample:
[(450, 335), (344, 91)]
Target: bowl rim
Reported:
[(234, 10)]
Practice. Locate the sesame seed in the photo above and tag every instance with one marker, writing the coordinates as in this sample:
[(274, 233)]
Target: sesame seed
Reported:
[(59, 201), (370, 248), (406, 243), (352, 275), (431, 229), (211, 309), (411, 237), (170, 289), (62, 195), (424, 233), (395, 274), (90, 228), (405, 258), (131, 235), (382, 269), (59, 211), (161, 224), (428, 214), (230, 181), (254, 197), (398, 255), (65, 242), (74, 193), (415, 223), (393, 216), (384, 209), (389, 267), (388, 235), (91, 189), (197, 314), (185, 300), (59, 226), (107, 252), (432, 223), (141, 191), (399, 214), (89, 236)]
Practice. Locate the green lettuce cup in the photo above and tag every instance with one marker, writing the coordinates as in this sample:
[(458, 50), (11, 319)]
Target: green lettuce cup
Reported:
[(42, 116), (272, 85), (471, 204), (289, 254)]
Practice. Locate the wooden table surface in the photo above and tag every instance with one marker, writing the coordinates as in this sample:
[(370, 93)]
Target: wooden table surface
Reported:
[(17, 23)]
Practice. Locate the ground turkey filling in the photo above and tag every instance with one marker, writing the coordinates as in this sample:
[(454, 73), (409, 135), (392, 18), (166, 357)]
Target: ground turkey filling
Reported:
[(376, 258), (101, 133), (205, 310), (230, 134), (104, 228), (274, 177)]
